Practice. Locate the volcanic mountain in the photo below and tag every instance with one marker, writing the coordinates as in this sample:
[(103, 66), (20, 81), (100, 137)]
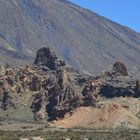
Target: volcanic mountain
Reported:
[(86, 41)]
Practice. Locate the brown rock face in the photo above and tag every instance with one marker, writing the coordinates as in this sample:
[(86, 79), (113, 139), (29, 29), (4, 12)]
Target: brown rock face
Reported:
[(47, 57), (120, 68)]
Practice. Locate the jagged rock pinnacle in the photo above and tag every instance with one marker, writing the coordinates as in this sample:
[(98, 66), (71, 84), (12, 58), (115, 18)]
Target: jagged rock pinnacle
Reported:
[(46, 57)]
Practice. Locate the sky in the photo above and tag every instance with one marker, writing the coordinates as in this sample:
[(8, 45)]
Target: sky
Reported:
[(125, 12)]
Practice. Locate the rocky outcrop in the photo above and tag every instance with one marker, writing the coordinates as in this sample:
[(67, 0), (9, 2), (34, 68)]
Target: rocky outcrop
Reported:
[(45, 57), (62, 96), (117, 82), (120, 68), (36, 83), (91, 92), (66, 88), (7, 100), (39, 106), (111, 91), (62, 101), (57, 89), (137, 89)]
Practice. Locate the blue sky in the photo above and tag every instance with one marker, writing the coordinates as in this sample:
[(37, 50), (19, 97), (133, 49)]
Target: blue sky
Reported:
[(125, 12)]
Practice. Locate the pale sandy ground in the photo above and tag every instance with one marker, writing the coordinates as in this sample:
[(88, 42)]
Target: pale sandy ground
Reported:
[(119, 112), (33, 138)]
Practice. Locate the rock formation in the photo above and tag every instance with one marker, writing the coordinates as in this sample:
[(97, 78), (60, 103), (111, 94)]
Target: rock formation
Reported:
[(120, 68), (39, 106), (117, 82), (47, 57), (36, 83), (137, 88), (5, 100), (55, 88)]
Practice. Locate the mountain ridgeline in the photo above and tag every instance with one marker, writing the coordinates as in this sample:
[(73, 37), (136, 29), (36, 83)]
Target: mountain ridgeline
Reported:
[(86, 41)]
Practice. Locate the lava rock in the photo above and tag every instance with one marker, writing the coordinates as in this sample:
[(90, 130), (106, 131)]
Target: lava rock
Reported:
[(120, 68), (46, 57), (39, 106), (7, 100), (110, 91)]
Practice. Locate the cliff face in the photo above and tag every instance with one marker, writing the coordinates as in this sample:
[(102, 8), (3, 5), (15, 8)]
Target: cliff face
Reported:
[(85, 40)]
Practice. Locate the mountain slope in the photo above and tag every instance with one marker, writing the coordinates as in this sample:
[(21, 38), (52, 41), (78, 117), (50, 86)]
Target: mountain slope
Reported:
[(85, 40)]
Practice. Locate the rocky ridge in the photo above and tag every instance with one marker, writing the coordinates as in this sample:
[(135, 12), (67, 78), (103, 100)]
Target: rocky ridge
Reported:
[(49, 85)]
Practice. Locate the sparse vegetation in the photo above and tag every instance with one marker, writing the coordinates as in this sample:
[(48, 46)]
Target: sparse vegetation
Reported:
[(72, 134), (9, 47)]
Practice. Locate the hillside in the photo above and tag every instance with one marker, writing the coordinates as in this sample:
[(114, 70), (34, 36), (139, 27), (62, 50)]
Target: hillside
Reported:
[(85, 40)]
